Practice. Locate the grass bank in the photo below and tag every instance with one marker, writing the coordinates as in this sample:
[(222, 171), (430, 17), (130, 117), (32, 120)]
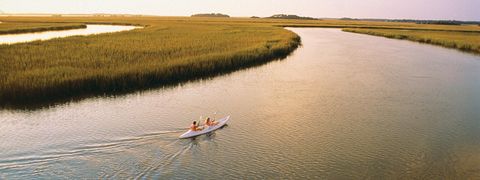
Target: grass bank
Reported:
[(463, 41), (24, 27), (170, 50), (162, 53)]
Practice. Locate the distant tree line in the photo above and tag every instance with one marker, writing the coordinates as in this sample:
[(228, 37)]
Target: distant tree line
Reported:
[(276, 16), (289, 16), (210, 15), (440, 22)]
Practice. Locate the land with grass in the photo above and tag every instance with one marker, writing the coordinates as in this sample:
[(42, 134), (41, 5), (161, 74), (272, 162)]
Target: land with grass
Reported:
[(29, 27), (167, 50), (163, 52), (464, 41)]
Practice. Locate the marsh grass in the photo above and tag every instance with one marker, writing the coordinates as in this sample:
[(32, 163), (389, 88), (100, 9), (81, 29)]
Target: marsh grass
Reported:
[(463, 41), (162, 53), (25, 27), (169, 50)]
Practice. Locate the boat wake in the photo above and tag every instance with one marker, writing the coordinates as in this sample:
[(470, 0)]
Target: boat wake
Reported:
[(144, 156), (43, 159)]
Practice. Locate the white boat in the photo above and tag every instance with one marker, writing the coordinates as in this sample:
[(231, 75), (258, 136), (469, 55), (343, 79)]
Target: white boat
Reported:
[(206, 129)]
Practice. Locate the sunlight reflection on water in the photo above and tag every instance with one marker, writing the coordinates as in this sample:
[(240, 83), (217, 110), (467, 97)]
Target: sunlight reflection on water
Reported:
[(91, 29), (342, 106)]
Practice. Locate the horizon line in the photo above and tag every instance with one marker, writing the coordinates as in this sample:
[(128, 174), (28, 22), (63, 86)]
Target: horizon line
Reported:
[(2, 13)]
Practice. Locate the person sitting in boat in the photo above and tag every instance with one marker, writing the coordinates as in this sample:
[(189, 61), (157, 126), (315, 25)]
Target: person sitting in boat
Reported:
[(194, 127), (209, 122)]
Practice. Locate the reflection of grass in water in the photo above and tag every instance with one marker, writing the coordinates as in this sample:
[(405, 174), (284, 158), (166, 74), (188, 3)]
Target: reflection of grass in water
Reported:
[(464, 41)]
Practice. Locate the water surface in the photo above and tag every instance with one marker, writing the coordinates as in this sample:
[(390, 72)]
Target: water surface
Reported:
[(91, 29), (343, 106)]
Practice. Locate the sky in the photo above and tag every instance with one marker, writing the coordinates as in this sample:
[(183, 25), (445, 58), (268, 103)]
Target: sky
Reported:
[(391, 9)]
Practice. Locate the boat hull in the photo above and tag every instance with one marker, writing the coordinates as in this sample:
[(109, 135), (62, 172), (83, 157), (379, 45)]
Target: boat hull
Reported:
[(207, 129)]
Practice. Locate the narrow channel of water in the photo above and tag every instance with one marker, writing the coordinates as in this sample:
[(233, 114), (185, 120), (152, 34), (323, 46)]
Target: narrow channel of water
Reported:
[(91, 29), (342, 106)]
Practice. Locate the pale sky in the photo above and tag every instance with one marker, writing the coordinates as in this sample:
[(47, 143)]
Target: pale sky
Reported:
[(392, 9)]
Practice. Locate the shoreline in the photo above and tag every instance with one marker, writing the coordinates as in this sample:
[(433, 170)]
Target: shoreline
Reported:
[(131, 61), (42, 29), (420, 38), (72, 90)]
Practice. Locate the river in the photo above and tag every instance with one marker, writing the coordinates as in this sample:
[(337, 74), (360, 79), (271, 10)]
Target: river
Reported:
[(342, 106), (91, 29)]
